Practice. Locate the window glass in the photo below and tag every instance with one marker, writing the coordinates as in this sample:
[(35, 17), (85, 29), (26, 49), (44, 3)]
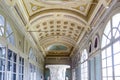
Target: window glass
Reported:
[(2, 76), (32, 74), (106, 35), (2, 52), (92, 68), (10, 55), (14, 57), (109, 52), (11, 65), (2, 62), (119, 27), (2, 21), (117, 70), (104, 40), (95, 68), (116, 59), (116, 49), (98, 67), (1, 31), (116, 20), (116, 33), (117, 78), (9, 32), (21, 68), (8, 58), (108, 28)]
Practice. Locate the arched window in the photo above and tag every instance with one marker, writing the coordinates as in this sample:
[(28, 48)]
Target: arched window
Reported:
[(111, 49), (5, 30), (84, 65), (2, 23), (9, 34), (96, 42), (31, 55)]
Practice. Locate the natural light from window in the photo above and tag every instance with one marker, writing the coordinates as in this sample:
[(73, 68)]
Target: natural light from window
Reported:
[(111, 50)]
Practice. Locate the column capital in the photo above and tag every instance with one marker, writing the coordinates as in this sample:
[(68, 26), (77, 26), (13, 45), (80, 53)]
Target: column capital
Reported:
[(57, 72)]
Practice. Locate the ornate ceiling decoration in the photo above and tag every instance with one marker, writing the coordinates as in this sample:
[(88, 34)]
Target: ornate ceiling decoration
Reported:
[(34, 6), (57, 27), (61, 22)]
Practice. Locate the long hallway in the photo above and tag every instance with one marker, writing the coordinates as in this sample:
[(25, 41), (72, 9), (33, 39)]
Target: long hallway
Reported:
[(59, 39)]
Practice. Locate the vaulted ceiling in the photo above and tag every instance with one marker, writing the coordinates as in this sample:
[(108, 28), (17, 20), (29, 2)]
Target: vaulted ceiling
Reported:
[(57, 26)]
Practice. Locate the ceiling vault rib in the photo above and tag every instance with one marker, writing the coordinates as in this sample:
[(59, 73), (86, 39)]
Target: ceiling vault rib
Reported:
[(57, 10), (20, 14)]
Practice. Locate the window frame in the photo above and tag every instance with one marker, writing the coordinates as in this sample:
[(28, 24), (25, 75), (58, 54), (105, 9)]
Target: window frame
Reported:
[(106, 55)]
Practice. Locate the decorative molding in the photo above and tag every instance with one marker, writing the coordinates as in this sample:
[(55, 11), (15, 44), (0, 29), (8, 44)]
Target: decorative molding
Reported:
[(10, 2)]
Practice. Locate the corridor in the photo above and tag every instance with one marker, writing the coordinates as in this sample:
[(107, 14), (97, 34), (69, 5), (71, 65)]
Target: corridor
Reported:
[(59, 39)]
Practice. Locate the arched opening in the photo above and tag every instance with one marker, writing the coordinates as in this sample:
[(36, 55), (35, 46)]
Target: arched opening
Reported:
[(111, 50), (6, 30)]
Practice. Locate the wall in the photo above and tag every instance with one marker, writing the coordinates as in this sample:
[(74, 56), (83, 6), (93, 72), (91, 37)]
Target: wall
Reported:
[(21, 48)]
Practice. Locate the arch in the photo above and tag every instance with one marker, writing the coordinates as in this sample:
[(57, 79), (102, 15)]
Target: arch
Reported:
[(33, 17), (110, 48)]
